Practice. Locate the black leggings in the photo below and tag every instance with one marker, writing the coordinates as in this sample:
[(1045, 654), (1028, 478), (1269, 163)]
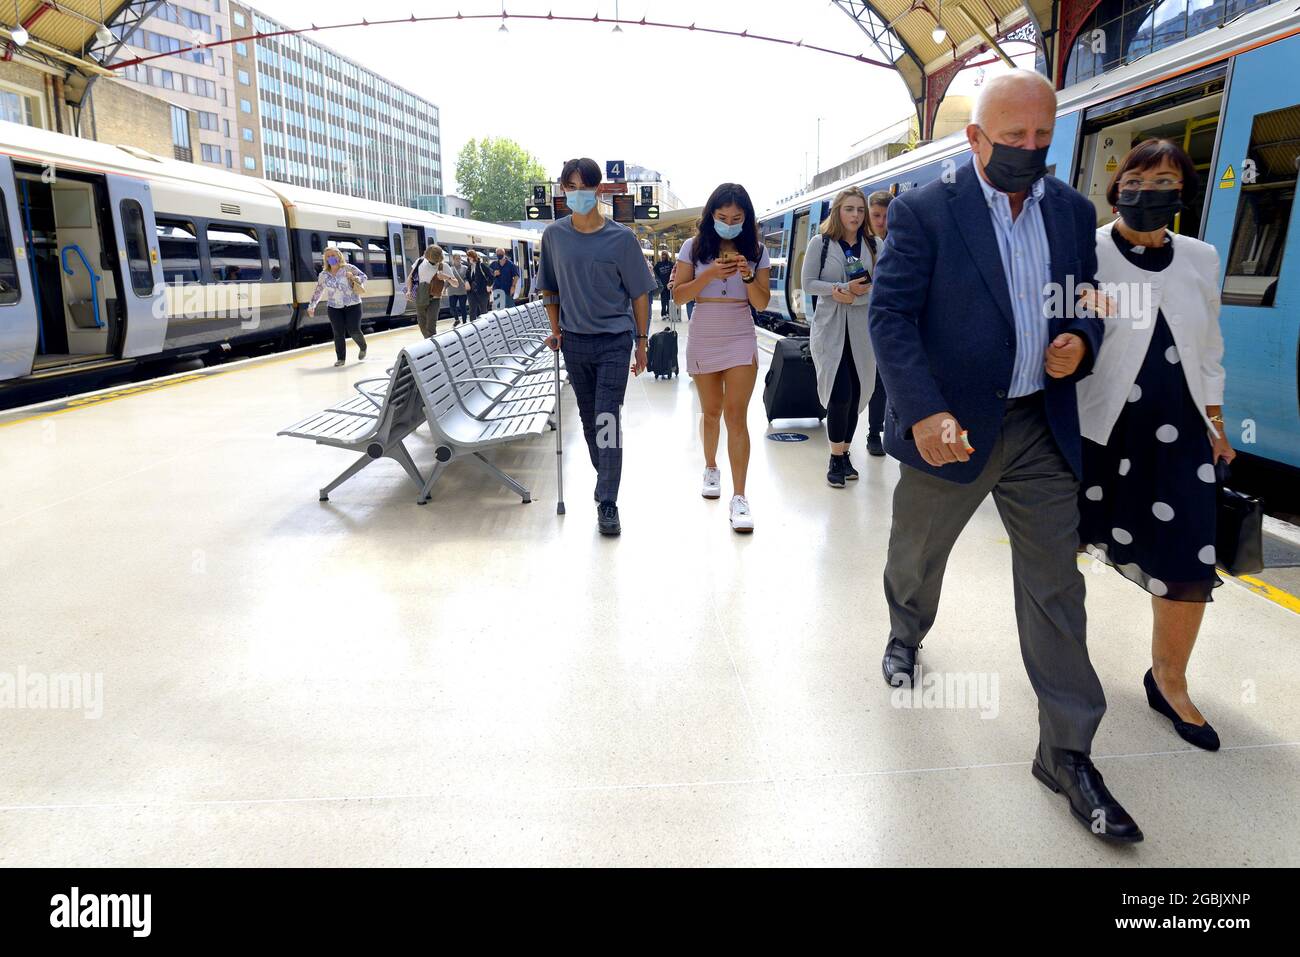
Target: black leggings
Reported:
[(346, 322), (846, 396)]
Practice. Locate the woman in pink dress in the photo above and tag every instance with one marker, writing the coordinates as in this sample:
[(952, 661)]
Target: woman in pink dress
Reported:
[(725, 269)]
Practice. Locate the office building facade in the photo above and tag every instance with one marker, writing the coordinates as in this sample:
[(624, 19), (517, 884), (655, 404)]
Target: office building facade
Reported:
[(308, 116)]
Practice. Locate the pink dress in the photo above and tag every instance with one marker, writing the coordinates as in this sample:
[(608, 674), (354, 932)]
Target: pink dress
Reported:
[(721, 334)]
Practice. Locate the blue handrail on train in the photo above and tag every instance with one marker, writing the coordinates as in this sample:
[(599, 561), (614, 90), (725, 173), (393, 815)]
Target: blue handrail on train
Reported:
[(94, 280)]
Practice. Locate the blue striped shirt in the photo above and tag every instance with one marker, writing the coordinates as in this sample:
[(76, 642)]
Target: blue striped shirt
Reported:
[(1027, 266)]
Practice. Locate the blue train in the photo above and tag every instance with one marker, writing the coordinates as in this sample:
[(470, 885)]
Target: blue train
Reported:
[(1229, 97)]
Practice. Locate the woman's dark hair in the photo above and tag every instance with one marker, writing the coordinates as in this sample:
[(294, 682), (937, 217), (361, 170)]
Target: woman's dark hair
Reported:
[(708, 244), (1148, 155), (586, 169)]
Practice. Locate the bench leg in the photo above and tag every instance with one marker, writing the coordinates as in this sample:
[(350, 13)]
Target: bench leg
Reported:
[(399, 454), (346, 474), (503, 478), (426, 488)]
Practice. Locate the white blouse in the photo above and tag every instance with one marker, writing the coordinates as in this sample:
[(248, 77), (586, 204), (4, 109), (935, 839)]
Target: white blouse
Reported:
[(1188, 294)]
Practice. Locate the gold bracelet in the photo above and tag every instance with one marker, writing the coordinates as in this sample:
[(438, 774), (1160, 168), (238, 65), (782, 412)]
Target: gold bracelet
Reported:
[(1217, 418)]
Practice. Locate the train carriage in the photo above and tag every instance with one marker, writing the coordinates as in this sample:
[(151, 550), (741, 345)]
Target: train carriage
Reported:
[(111, 256), (1227, 96)]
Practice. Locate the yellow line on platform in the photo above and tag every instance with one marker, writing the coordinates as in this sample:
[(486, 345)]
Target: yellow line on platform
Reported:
[(1274, 594)]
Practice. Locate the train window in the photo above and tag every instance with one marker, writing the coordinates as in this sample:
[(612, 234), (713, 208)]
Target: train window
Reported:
[(316, 250), (9, 291), (235, 253), (178, 244), (273, 253), (1263, 209), (137, 248), (351, 250), (377, 256)]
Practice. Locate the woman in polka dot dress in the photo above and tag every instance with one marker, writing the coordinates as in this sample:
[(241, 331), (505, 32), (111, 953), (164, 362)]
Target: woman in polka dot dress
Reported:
[(1151, 418)]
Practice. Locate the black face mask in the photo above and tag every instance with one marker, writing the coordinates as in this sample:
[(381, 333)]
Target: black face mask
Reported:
[(1013, 170), (1146, 210)]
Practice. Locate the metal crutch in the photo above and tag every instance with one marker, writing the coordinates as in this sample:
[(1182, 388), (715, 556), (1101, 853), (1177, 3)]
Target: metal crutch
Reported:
[(559, 435)]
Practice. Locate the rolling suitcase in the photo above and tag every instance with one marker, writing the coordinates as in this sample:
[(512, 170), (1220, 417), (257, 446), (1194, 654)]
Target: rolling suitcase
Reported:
[(790, 389), (661, 354)]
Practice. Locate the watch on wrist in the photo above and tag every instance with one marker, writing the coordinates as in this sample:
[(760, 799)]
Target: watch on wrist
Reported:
[(752, 277)]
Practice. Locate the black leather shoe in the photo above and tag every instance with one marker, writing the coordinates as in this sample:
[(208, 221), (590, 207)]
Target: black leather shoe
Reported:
[(1092, 805), (1202, 735), (607, 519), (899, 664), (874, 445)]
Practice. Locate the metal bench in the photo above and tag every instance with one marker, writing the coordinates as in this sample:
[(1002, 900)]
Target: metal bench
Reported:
[(374, 425), (456, 432)]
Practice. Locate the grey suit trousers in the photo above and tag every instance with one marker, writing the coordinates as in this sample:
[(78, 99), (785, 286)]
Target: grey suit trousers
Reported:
[(1036, 496)]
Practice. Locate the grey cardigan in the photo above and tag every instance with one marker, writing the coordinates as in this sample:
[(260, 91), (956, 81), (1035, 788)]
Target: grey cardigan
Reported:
[(833, 319)]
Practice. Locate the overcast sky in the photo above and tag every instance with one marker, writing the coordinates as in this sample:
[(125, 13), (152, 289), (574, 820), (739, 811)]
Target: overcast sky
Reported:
[(700, 109)]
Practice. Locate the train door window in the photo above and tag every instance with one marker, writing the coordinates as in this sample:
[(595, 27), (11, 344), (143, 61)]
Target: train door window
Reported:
[(1264, 209), (178, 244), (773, 240), (273, 253), (316, 251), (235, 253), (9, 292), (137, 248), (411, 244), (794, 285), (377, 266)]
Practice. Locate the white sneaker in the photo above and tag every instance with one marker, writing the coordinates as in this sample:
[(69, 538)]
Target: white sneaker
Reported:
[(712, 483), (741, 520)]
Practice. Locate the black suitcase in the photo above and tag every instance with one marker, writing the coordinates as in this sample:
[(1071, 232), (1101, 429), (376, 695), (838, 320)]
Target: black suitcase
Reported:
[(661, 354), (790, 389)]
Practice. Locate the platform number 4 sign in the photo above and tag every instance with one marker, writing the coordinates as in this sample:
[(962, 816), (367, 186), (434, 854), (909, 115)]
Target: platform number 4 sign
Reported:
[(614, 170)]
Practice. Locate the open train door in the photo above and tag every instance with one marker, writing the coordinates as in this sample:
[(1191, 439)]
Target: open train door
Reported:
[(19, 321), (400, 265), (142, 290)]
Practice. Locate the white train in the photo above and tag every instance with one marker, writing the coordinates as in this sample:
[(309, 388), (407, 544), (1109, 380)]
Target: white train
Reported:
[(111, 256)]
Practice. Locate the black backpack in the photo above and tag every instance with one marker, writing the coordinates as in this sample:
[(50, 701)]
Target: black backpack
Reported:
[(871, 244)]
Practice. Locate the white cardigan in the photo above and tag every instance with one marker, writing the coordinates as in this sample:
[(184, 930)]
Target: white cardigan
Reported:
[(1188, 293)]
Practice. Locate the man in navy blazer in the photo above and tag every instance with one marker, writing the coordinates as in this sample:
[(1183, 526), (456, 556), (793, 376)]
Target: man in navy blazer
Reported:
[(982, 321)]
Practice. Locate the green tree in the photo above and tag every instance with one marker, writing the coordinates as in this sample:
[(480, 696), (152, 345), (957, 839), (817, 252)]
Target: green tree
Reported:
[(495, 174)]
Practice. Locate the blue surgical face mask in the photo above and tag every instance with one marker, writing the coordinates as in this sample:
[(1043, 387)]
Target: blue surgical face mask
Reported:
[(581, 201), (333, 261), (728, 231)]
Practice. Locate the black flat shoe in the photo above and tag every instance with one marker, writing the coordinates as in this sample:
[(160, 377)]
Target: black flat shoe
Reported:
[(1093, 806), (899, 664), (874, 445), (1202, 735)]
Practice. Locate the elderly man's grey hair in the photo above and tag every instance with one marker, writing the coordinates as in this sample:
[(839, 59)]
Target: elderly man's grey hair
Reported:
[(1015, 83)]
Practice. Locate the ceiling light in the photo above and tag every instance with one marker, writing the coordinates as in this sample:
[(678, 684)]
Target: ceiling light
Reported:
[(104, 35), (938, 34), (20, 35)]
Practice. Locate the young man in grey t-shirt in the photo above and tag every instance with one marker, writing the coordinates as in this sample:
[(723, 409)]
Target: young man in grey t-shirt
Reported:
[(596, 288)]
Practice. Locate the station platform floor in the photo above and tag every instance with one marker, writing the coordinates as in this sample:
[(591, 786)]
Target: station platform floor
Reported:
[(480, 682)]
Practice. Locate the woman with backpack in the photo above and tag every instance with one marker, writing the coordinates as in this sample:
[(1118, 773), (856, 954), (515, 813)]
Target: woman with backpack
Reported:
[(837, 270), (725, 268), (432, 275)]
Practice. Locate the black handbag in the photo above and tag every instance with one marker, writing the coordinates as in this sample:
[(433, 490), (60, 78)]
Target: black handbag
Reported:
[(1239, 528)]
